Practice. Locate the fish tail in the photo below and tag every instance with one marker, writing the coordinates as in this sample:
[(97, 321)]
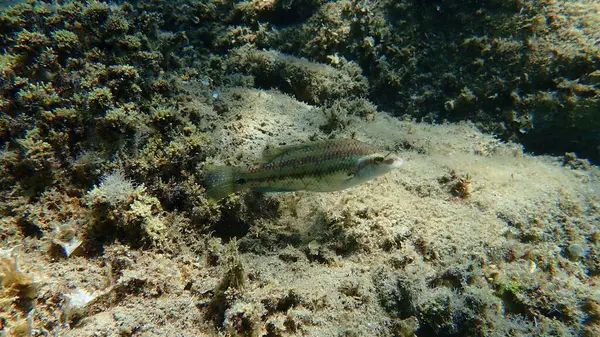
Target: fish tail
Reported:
[(221, 181)]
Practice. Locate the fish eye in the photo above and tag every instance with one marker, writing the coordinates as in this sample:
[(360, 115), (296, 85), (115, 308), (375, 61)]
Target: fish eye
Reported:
[(378, 160)]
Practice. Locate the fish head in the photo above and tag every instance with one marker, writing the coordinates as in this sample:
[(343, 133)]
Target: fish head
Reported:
[(377, 164)]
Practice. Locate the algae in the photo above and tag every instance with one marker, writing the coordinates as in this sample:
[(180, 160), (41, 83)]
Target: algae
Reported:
[(110, 112)]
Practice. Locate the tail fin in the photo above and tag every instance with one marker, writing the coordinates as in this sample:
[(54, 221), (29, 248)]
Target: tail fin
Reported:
[(221, 181)]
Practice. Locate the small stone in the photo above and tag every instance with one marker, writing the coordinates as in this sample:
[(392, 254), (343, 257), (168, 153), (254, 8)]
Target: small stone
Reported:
[(576, 251)]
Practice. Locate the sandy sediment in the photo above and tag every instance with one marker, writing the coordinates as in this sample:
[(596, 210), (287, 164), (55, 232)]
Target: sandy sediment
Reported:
[(469, 230)]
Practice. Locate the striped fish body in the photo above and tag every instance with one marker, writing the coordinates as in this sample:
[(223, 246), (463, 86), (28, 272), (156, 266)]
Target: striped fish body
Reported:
[(323, 166)]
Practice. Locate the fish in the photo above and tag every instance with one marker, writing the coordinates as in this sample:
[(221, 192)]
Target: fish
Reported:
[(321, 166)]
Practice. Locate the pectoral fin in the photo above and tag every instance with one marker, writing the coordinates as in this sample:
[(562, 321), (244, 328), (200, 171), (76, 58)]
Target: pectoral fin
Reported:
[(343, 175)]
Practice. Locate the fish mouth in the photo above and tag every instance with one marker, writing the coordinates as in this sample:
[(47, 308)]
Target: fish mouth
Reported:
[(393, 162)]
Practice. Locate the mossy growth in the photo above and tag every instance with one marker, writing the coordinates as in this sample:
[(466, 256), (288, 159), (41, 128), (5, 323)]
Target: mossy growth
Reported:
[(231, 284), (339, 113), (117, 207), (83, 77), (310, 82), (117, 25), (65, 39), (95, 13), (125, 118), (99, 99), (244, 319), (17, 295), (30, 42), (38, 95), (234, 274), (459, 185)]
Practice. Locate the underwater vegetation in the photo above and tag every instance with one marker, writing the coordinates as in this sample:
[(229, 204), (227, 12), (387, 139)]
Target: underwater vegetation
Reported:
[(111, 114), (85, 87), (525, 70)]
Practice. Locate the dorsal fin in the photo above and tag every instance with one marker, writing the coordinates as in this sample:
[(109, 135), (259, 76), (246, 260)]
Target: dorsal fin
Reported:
[(312, 148), (270, 154), (273, 152)]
